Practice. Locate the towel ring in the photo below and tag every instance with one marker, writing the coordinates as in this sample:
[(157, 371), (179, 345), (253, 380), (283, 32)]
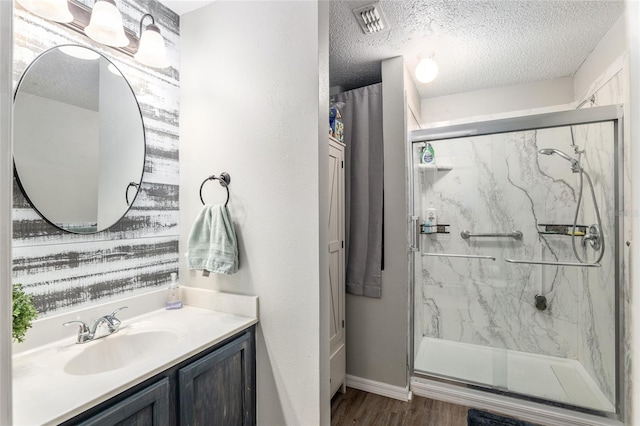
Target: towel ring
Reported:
[(224, 180)]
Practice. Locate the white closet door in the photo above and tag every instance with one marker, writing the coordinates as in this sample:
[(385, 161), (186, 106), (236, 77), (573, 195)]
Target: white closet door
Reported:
[(336, 265)]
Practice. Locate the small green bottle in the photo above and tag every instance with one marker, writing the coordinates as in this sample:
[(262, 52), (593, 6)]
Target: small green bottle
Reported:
[(427, 156)]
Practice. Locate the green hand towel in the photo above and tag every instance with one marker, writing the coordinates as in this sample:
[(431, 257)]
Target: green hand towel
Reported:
[(212, 244)]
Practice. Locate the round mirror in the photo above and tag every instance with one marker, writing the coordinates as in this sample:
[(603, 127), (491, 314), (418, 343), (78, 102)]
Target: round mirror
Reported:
[(78, 139)]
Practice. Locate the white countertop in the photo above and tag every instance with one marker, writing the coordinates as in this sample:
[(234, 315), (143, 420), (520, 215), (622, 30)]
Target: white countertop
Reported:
[(43, 393)]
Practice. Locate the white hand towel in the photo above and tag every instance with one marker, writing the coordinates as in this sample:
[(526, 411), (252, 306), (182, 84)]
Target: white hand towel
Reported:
[(212, 243)]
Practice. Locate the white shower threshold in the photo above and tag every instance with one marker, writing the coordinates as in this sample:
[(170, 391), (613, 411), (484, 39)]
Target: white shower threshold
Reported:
[(541, 376)]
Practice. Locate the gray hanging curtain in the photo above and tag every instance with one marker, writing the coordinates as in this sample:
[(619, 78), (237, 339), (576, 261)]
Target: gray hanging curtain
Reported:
[(362, 118)]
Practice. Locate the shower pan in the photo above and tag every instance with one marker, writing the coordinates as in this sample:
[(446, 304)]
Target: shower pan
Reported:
[(516, 290)]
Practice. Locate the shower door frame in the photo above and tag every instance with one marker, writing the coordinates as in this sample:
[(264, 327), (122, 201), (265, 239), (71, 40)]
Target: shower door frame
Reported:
[(610, 113)]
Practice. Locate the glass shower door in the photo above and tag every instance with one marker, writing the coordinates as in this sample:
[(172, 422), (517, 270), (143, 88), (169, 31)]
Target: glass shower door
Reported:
[(502, 299), (456, 274)]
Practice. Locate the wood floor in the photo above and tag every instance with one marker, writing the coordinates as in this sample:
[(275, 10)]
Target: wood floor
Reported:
[(362, 408)]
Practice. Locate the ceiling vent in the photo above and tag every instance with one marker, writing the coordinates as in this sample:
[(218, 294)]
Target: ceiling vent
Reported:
[(371, 18)]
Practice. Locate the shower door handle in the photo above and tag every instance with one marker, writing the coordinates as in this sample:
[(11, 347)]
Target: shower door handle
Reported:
[(413, 244)]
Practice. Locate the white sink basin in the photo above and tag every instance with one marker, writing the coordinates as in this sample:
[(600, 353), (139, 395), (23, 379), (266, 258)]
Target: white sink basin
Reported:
[(121, 349)]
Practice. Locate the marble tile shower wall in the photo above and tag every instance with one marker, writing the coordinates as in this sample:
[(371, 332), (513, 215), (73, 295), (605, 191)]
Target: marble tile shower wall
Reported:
[(499, 183), (65, 271), (596, 346)]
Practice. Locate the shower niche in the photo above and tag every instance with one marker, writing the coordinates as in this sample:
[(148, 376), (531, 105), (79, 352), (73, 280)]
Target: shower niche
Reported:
[(521, 294)]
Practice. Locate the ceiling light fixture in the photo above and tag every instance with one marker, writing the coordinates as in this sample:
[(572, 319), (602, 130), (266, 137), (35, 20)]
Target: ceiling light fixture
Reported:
[(371, 18), (151, 49), (53, 10), (427, 69), (104, 25)]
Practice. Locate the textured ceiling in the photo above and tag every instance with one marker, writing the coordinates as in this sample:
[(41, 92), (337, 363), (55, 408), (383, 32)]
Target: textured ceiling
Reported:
[(63, 78), (477, 44)]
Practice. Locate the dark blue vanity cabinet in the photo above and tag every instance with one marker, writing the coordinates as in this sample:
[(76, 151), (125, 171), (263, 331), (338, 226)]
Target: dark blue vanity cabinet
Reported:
[(215, 387), (150, 406)]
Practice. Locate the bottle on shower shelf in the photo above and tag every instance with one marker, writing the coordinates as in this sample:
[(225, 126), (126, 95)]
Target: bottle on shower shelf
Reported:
[(428, 155), (431, 221)]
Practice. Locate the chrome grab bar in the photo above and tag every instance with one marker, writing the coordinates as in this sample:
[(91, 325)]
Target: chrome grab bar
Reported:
[(543, 262), (516, 235), (413, 245), (466, 256)]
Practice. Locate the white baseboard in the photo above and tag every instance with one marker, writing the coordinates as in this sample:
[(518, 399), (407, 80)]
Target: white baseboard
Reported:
[(379, 388), (524, 410)]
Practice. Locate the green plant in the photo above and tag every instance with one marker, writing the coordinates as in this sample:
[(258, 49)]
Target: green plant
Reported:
[(23, 312)]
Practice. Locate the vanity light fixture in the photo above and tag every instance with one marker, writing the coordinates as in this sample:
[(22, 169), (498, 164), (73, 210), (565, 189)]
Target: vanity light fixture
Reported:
[(53, 10), (427, 68), (151, 49), (104, 25)]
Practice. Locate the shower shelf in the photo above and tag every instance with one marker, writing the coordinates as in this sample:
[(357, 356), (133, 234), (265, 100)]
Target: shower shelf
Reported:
[(555, 229), (440, 229), (436, 167)]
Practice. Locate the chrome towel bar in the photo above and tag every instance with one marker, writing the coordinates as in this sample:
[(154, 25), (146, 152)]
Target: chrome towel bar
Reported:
[(543, 262), (466, 256), (516, 235)]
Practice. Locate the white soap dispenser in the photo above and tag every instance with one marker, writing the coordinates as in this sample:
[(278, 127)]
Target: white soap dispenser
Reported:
[(431, 221), (173, 294)]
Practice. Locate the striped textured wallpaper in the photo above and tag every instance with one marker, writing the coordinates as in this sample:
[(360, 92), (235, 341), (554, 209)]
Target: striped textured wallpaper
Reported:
[(65, 271)]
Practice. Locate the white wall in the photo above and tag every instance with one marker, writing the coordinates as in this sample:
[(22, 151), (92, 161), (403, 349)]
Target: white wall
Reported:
[(121, 151), (414, 102), (498, 100), (609, 49), (377, 328), (251, 106), (63, 187), (6, 185)]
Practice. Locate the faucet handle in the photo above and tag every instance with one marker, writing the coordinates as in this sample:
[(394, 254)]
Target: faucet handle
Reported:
[(114, 323), (84, 333), (83, 328), (113, 314)]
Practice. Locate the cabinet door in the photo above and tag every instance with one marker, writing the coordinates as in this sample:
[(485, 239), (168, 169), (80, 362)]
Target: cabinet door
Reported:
[(219, 389), (336, 266), (145, 408)]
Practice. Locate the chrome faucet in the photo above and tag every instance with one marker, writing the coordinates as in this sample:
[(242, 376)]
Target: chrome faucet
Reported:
[(86, 334)]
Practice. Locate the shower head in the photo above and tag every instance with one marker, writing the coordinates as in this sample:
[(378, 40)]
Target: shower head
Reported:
[(575, 165), (551, 151)]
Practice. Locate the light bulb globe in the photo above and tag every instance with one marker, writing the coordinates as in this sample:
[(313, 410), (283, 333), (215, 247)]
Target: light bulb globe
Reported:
[(426, 70), (105, 25), (53, 10)]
